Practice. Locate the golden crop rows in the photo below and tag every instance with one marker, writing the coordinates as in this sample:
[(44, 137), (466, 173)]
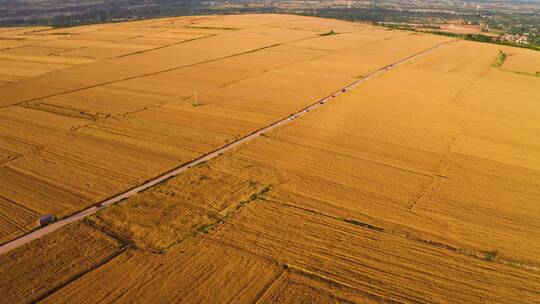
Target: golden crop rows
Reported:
[(420, 185)]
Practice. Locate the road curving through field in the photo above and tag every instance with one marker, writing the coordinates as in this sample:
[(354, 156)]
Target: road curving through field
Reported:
[(11, 245)]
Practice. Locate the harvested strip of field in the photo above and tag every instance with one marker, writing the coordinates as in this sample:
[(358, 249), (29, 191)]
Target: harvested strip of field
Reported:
[(178, 209), (297, 286), (15, 220), (201, 272), (382, 267), (31, 272), (162, 59), (25, 54), (10, 68)]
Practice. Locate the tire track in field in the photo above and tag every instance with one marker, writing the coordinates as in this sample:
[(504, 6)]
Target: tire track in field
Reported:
[(210, 155), (437, 178)]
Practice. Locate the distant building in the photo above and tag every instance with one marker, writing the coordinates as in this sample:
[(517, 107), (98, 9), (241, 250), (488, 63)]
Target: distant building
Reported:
[(518, 39)]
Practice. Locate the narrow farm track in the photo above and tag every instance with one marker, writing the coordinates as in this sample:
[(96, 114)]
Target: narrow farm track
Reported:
[(178, 170)]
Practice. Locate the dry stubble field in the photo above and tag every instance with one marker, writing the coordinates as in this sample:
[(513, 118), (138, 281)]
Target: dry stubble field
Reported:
[(421, 185)]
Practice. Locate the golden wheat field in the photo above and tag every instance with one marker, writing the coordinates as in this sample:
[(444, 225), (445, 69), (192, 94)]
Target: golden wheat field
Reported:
[(74, 136), (420, 185)]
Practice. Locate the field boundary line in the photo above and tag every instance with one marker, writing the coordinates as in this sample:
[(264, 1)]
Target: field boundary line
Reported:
[(13, 244), (487, 256), (163, 46), (154, 72), (270, 284), (81, 274)]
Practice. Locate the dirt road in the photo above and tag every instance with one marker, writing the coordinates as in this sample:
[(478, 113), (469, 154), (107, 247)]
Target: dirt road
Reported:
[(124, 195)]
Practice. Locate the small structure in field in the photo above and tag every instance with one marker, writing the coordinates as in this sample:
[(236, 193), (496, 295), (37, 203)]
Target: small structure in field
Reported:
[(45, 220)]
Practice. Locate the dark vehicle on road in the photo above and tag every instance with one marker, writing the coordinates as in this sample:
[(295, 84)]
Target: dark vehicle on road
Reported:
[(45, 220)]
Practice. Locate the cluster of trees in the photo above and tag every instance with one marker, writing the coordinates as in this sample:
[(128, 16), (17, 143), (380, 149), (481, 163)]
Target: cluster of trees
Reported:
[(377, 15), (61, 13)]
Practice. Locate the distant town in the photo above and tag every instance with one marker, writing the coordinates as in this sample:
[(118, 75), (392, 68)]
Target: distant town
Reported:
[(507, 21)]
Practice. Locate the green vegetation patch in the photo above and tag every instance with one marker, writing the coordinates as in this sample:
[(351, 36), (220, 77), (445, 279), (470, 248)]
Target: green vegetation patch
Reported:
[(501, 57), (213, 28), (490, 256), (328, 33), (535, 74)]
